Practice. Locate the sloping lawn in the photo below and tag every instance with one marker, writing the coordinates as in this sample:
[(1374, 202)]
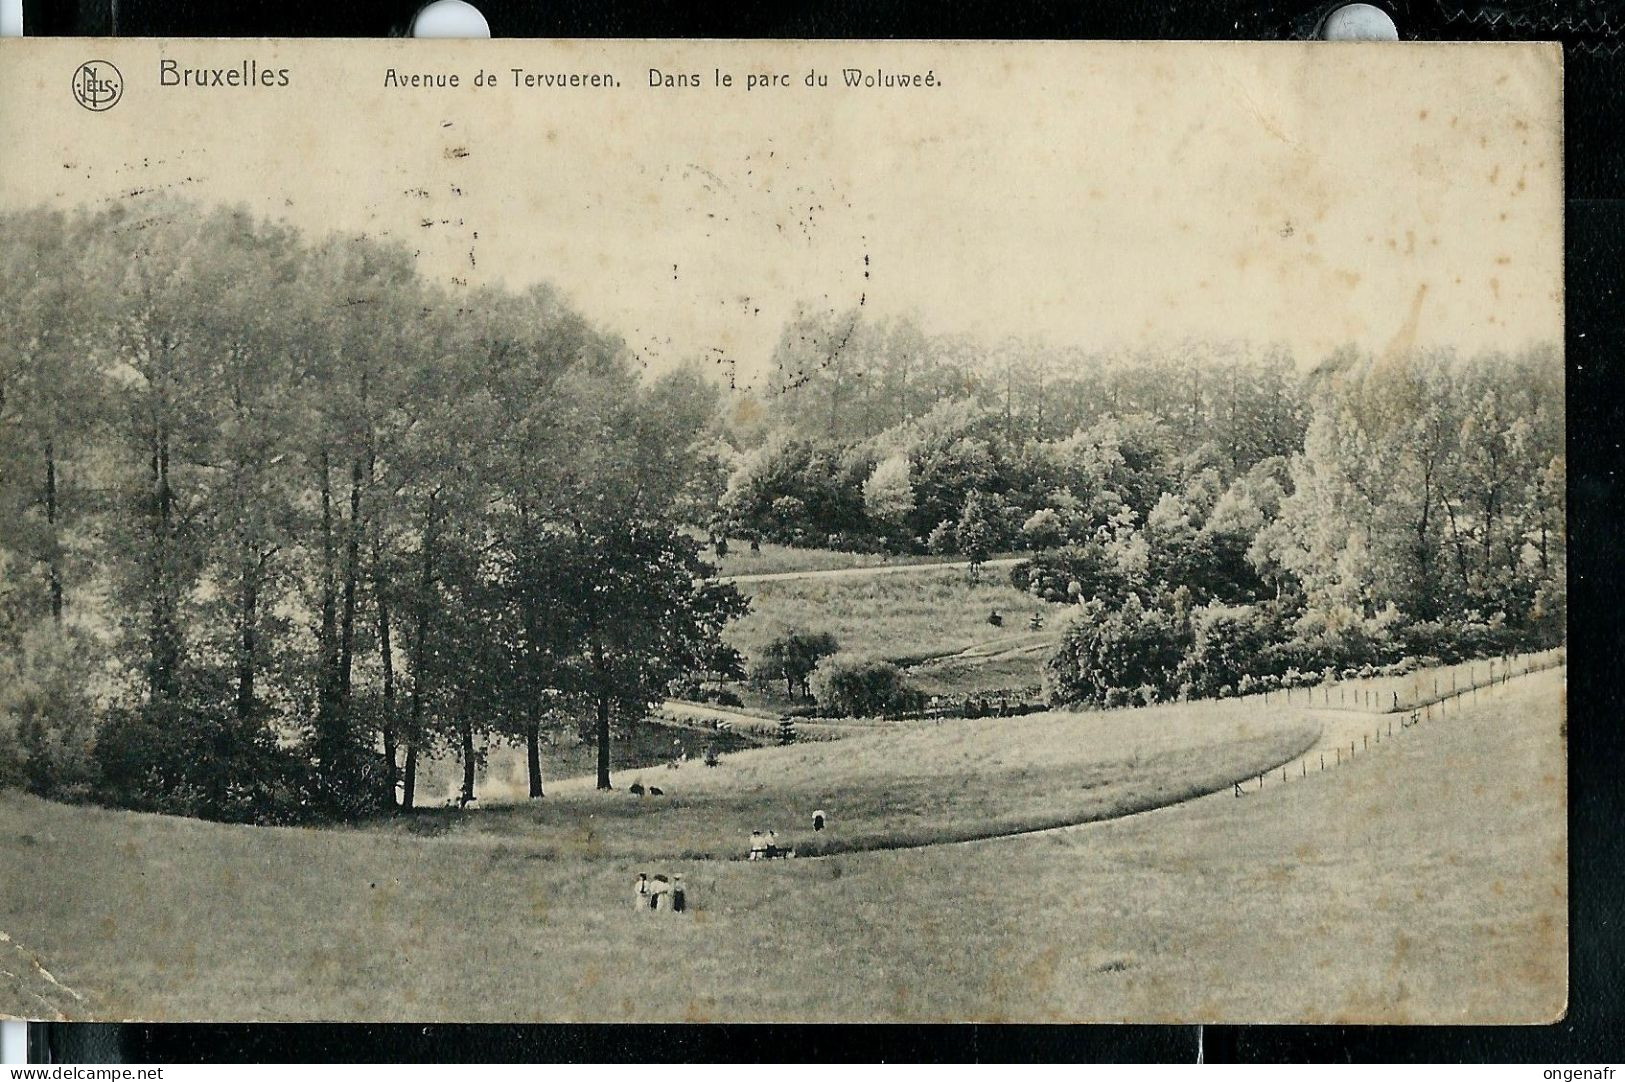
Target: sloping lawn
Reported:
[(904, 618), (1423, 882)]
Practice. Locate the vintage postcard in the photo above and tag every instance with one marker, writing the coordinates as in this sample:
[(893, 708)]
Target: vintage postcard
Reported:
[(782, 531)]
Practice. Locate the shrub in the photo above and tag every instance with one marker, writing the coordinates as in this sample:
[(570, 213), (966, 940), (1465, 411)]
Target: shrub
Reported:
[(847, 686), (1228, 643), (1044, 529), (1131, 648), (47, 725), (189, 754), (1074, 573)]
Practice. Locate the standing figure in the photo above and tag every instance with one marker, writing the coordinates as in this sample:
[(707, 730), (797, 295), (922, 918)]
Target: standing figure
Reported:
[(818, 819), (758, 845), (640, 899)]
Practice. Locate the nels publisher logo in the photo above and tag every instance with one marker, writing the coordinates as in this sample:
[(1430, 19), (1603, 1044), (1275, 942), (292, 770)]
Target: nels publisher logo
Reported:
[(97, 85)]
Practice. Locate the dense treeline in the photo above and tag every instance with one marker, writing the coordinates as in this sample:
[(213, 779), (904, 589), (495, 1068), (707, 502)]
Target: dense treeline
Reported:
[(280, 519), (875, 436), (1223, 519), (1423, 518)]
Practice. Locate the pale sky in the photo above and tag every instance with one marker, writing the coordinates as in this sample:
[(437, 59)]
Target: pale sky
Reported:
[(1098, 195)]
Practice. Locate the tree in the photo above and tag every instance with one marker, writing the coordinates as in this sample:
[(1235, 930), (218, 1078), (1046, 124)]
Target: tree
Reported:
[(888, 496), (977, 531), (650, 617), (791, 656), (51, 392)]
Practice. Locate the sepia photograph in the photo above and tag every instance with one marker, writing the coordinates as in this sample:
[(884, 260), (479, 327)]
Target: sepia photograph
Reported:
[(631, 531)]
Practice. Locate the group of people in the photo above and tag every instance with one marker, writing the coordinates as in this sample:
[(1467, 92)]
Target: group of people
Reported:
[(764, 845), (660, 893)]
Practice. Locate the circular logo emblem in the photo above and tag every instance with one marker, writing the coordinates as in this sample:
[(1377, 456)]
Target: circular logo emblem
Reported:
[(97, 85)]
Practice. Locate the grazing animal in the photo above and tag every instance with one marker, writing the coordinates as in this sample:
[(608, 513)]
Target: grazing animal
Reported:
[(636, 788), (655, 790)]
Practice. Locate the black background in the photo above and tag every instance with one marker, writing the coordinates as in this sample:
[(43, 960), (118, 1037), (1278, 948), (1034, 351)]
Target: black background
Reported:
[(1594, 117)]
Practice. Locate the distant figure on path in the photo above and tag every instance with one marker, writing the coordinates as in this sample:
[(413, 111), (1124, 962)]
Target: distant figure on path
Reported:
[(640, 899)]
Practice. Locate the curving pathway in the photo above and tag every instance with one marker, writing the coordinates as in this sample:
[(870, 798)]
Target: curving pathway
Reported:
[(866, 572)]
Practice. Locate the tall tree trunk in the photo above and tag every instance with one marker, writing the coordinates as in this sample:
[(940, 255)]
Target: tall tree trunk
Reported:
[(533, 756), (328, 738), (531, 681), (352, 574), (1424, 551), (603, 735), (420, 675), (386, 652), (1456, 543), (386, 664), (466, 727), (248, 644), (163, 636), (359, 466), (600, 672), (53, 563), (410, 783)]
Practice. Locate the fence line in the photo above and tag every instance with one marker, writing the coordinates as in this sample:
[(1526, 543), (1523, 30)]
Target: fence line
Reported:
[(1425, 686), (1423, 710)]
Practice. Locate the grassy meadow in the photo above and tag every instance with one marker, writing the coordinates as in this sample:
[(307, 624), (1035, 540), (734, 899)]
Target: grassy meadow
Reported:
[(901, 617), (1425, 881), (900, 785)]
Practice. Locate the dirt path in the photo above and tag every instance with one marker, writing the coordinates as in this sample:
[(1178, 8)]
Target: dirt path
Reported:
[(704, 715), (863, 572)]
